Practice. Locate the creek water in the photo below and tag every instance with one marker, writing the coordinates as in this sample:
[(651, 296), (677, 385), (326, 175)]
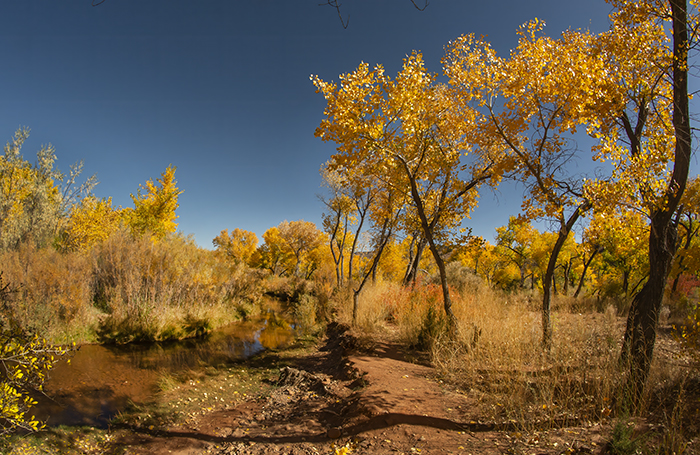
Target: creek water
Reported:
[(102, 380)]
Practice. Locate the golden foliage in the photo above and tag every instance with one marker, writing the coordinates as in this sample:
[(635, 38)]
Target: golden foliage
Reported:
[(90, 222), (26, 360), (154, 206), (239, 246)]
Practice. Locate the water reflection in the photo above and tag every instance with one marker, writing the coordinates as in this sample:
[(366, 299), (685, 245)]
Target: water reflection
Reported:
[(101, 380)]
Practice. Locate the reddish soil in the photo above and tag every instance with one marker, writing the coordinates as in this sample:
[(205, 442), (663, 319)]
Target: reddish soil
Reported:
[(371, 400)]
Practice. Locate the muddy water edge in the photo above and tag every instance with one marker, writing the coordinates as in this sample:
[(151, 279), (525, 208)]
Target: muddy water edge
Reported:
[(102, 381)]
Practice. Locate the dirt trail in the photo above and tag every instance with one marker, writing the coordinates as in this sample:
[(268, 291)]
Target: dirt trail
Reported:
[(369, 401)]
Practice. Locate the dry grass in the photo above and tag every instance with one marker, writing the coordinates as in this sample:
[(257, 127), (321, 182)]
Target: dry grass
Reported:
[(498, 358), (128, 289)]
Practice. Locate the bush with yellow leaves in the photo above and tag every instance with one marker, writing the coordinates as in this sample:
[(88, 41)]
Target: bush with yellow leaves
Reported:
[(25, 361)]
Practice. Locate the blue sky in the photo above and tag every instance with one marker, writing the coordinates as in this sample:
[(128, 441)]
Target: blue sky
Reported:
[(221, 90)]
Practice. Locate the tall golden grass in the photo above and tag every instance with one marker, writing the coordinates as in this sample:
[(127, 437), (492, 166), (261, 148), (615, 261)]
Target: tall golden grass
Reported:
[(498, 358)]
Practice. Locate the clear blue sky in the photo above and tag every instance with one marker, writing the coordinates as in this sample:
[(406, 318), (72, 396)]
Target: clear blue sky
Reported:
[(221, 90)]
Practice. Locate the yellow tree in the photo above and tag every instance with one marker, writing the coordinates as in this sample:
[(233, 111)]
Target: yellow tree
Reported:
[(30, 200), (644, 133), (405, 133), (292, 248), (90, 222), (385, 209), (530, 105), (154, 206), (688, 219), (239, 246), (337, 220), (515, 242), (621, 237), (470, 252), (392, 263), (588, 249), (299, 240), (272, 255), (25, 360)]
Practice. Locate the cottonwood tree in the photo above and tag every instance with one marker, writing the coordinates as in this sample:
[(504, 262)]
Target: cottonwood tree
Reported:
[(32, 197), (292, 248), (154, 206), (514, 242), (386, 210), (25, 360), (300, 238), (644, 133), (337, 219), (272, 255), (406, 133), (529, 106), (688, 220), (589, 248), (622, 238), (239, 246)]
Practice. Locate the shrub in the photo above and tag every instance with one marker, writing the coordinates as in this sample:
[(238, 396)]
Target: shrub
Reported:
[(53, 290), (26, 358)]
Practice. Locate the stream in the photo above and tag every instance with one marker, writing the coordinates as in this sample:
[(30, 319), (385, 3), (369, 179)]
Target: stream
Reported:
[(102, 380)]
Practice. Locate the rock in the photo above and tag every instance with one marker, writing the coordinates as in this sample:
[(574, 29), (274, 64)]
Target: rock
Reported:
[(303, 380), (334, 433)]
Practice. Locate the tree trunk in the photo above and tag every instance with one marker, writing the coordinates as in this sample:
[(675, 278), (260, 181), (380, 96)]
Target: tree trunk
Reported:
[(412, 272), (640, 335), (362, 212), (686, 246), (549, 274), (428, 235), (583, 274), (375, 262), (567, 274), (409, 266)]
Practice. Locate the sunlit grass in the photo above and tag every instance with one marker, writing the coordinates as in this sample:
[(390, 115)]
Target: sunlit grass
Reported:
[(498, 358)]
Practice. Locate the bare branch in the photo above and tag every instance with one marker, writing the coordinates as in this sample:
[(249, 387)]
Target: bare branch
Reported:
[(418, 7), (336, 5)]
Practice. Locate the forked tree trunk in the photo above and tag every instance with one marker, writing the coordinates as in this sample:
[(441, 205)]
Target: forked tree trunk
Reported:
[(412, 272)]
